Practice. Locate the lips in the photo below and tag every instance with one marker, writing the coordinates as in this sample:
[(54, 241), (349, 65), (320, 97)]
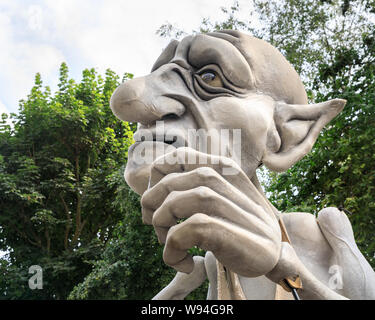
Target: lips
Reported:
[(174, 138)]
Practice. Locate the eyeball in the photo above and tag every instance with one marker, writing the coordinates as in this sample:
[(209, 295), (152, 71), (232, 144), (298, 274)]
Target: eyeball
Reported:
[(211, 78)]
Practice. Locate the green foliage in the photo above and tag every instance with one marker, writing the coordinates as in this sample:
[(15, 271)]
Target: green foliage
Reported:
[(131, 266), (340, 169), (64, 202), (58, 168)]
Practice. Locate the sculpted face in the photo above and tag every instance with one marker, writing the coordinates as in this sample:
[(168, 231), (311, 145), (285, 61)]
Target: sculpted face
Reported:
[(234, 102), (214, 108), (222, 80)]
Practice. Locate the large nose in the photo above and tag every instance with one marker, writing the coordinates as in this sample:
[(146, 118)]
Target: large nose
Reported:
[(144, 100)]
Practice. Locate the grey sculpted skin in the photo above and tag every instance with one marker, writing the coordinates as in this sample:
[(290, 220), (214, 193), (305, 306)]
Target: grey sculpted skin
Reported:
[(222, 82)]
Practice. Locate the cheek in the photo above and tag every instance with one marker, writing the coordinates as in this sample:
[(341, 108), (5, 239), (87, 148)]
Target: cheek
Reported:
[(227, 113), (253, 117), (257, 119)]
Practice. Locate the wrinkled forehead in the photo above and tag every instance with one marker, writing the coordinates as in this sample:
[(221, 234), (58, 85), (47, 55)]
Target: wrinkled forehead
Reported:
[(246, 61), (206, 49)]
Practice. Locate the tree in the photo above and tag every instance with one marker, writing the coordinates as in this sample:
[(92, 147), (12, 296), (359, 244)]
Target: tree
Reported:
[(340, 170), (64, 202), (58, 178), (131, 266)]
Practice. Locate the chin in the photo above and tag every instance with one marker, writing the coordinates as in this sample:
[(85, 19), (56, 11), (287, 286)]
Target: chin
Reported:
[(141, 155), (137, 178)]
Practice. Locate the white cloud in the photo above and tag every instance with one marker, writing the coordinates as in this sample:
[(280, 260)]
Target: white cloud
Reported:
[(3, 109), (35, 19), (36, 36), (122, 34), (21, 57)]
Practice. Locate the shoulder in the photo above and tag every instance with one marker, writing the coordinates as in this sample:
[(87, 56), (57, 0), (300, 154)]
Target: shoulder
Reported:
[(307, 238), (301, 224)]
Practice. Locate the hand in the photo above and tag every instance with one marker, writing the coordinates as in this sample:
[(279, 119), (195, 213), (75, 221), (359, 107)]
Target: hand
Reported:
[(224, 214)]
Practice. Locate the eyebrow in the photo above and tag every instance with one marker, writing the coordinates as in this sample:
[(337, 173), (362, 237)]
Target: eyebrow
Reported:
[(211, 49)]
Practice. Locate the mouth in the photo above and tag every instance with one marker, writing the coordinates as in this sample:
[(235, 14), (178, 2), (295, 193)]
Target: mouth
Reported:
[(173, 138)]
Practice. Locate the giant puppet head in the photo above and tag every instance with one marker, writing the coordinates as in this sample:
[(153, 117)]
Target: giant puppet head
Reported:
[(222, 80)]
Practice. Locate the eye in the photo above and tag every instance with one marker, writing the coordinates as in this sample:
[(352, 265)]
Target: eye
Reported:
[(211, 78)]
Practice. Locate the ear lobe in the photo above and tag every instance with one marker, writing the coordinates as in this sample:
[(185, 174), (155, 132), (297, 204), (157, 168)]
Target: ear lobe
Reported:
[(298, 127)]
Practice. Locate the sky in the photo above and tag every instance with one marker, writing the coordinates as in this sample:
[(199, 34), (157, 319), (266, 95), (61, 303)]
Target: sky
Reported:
[(37, 36)]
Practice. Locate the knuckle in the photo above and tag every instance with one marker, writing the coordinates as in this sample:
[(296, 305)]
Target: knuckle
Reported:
[(171, 197), (145, 199), (228, 162), (204, 193), (156, 219), (205, 173), (146, 217), (168, 259), (158, 164), (173, 238), (198, 219), (180, 155), (155, 167), (169, 180), (163, 183)]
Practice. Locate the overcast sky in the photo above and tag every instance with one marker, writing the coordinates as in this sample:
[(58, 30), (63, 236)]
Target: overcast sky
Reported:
[(37, 36)]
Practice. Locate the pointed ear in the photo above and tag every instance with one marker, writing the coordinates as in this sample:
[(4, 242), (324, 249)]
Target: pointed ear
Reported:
[(298, 127)]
